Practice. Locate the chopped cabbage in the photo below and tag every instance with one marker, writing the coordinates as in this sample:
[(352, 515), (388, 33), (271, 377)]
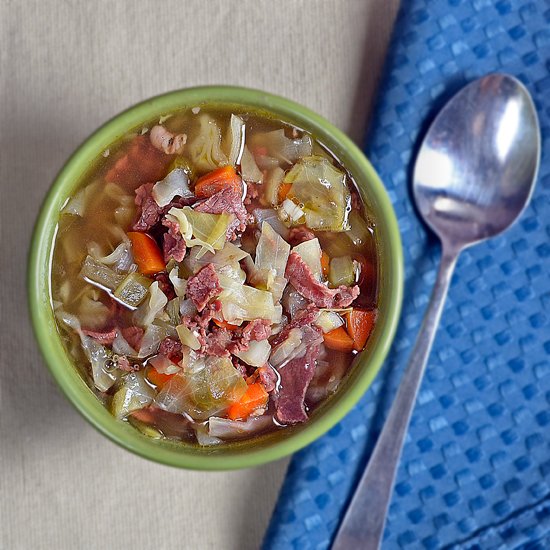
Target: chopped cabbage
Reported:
[(120, 259), (310, 252), (151, 340), (249, 169), (188, 338), (97, 354), (321, 189), (152, 307), (270, 216), (235, 140), (209, 230), (134, 394), (225, 261), (206, 386), (78, 204), (178, 283), (176, 183), (245, 303), (272, 251), (284, 148), (272, 183), (341, 272), (283, 352), (328, 320), (205, 149), (121, 346), (257, 353), (359, 233)]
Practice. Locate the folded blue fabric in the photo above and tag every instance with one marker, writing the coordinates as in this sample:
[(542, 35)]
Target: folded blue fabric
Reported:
[(475, 471)]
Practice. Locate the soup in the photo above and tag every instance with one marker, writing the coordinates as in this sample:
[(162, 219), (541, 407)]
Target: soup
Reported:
[(214, 275)]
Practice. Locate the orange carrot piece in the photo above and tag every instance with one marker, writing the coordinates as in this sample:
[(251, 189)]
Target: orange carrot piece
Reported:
[(283, 191), (255, 398), (359, 326), (339, 340), (225, 324), (146, 253), (325, 263), (218, 179), (158, 379)]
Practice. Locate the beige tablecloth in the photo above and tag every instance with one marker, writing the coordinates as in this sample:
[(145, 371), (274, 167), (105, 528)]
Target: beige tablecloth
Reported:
[(65, 68)]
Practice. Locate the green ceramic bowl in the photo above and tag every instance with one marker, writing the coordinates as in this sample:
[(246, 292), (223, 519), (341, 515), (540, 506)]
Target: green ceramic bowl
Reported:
[(264, 448)]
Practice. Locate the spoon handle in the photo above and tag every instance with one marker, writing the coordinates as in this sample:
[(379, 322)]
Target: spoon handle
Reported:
[(363, 524)]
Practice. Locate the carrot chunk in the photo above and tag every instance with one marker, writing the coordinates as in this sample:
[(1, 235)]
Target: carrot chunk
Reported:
[(339, 340), (146, 253), (283, 191), (359, 326), (255, 398), (325, 263), (158, 379), (218, 179)]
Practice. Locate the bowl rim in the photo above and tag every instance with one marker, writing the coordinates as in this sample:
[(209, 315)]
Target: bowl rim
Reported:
[(40, 257)]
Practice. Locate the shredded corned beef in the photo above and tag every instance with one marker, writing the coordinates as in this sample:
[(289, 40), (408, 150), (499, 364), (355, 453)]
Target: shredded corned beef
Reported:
[(227, 200), (105, 337), (203, 286), (217, 342), (258, 329), (295, 378), (302, 279), (133, 335), (173, 245), (171, 349), (148, 211), (268, 378), (300, 234)]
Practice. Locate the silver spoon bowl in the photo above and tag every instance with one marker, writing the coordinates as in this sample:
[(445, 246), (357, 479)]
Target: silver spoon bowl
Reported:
[(474, 175)]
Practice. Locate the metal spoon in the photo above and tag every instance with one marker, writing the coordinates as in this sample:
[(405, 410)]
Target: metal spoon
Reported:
[(473, 177)]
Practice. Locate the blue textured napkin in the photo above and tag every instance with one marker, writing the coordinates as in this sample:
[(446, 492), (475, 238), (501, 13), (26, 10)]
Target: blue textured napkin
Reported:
[(475, 471)]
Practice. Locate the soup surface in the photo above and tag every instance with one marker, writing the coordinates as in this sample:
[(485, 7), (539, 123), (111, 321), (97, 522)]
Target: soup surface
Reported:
[(214, 275)]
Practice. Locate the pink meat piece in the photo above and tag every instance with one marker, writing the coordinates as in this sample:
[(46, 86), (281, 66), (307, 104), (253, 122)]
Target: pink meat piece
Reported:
[(104, 337), (203, 286), (302, 279), (252, 192), (148, 211), (173, 245), (296, 376), (300, 234), (133, 336), (268, 378), (217, 343), (258, 329), (227, 200), (171, 349)]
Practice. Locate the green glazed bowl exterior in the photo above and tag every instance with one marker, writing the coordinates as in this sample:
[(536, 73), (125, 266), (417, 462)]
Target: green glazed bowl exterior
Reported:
[(264, 448)]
